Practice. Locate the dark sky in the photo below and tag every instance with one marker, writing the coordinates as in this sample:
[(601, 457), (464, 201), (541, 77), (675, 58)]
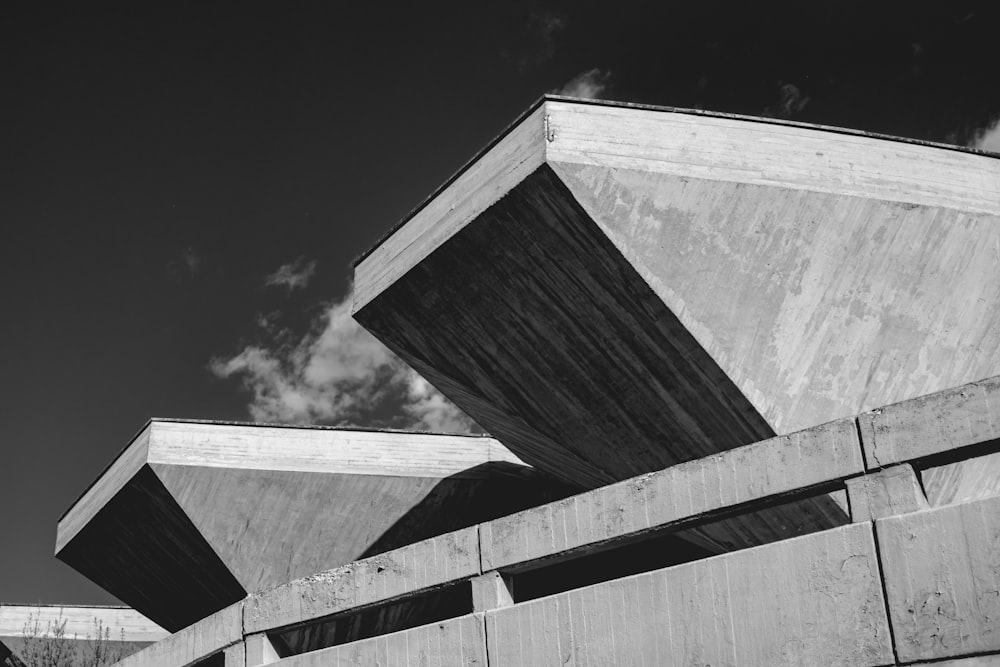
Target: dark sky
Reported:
[(160, 160)]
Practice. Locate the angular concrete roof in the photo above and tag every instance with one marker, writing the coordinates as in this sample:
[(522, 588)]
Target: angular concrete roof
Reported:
[(193, 515), (24, 628), (610, 290)]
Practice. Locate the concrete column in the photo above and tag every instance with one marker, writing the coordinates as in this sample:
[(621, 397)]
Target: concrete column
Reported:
[(888, 492), (236, 655), (492, 590), (260, 651)]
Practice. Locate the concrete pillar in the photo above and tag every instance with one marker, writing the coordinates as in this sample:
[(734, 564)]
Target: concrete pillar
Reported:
[(260, 650), (492, 590), (888, 492)]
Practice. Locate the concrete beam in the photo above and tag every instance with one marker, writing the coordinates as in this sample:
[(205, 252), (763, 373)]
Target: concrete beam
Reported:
[(686, 493), (192, 516), (612, 290), (198, 641), (934, 426), (398, 573)]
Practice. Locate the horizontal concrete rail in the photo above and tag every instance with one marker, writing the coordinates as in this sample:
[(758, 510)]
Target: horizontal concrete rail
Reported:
[(391, 575), (194, 643), (932, 424), (950, 549), (675, 496)]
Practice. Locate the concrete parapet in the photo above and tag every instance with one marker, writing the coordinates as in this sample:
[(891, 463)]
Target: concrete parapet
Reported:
[(942, 579), (812, 600), (793, 601)]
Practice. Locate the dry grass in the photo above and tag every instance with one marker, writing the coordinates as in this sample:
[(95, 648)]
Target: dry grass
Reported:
[(52, 646)]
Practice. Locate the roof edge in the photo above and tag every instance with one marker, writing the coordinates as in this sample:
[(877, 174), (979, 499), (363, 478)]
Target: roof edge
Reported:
[(651, 107)]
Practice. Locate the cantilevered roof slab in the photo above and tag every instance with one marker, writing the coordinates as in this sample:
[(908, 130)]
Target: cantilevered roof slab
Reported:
[(193, 515), (610, 290), (27, 632)]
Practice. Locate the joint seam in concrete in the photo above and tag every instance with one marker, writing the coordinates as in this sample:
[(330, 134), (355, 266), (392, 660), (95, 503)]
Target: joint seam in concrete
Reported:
[(885, 592), (861, 441), (486, 639), (479, 546)]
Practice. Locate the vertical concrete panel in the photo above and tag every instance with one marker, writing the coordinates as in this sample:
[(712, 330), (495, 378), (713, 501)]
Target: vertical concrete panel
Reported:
[(814, 600), (942, 576)]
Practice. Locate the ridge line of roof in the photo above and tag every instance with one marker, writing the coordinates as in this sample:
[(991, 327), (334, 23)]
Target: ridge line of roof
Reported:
[(652, 107)]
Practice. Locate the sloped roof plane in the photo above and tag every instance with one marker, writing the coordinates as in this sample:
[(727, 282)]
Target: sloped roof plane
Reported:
[(612, 289), (192, 515)]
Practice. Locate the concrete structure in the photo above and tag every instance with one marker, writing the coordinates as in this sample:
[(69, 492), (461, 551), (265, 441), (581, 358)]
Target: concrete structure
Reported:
[(81, 633), (906, 581), (609, 289), (192, 516), (736, 335)]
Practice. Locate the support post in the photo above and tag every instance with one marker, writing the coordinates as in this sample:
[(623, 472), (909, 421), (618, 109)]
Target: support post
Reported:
[(260, 650), (236, 655), (888, 492), (492, 590)]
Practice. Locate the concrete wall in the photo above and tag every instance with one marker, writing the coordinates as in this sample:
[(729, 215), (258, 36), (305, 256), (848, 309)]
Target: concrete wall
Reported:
[(903, 582)]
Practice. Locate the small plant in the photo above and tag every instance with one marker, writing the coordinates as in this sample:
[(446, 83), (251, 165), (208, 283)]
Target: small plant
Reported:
[(52, 647), (48, 648)]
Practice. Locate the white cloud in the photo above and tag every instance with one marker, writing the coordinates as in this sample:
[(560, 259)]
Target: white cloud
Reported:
[(590, 84), (989, 140), (185, 265), (292, 275), (338, 374)]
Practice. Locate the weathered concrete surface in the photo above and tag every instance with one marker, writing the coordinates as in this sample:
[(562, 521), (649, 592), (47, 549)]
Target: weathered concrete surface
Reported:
[(978, 661), (684, 493), (666, 285), (888, 492), (942, 579), (194, 643), (962, 416), (459, 642), (396, 573), (813, 600), (123, 631), (194, 515)]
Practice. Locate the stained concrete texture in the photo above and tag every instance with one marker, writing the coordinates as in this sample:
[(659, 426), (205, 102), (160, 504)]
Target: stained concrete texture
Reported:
[(610, 290)]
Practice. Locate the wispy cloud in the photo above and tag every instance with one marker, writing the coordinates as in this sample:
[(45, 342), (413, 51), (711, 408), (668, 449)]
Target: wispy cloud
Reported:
[(790, 102), (989, 138), (185, 265), (535, 43), (590, 84), (293, 275), (337, 374)]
